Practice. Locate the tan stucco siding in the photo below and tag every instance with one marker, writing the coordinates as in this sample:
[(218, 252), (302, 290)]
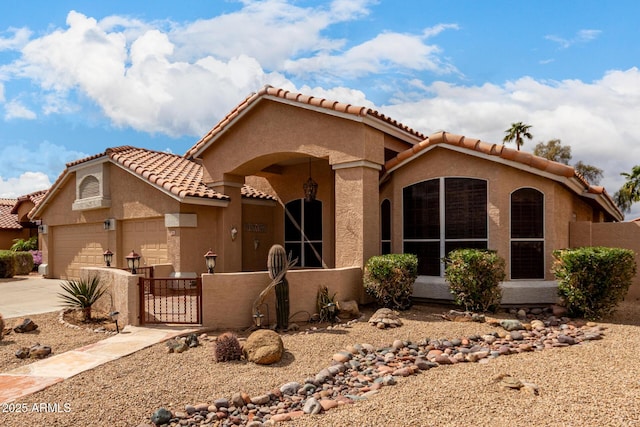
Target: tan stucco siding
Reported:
[(257, 235), (502, 180), (272, 132)]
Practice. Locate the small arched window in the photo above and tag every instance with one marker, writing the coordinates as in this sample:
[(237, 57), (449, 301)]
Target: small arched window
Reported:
[(89, 187)]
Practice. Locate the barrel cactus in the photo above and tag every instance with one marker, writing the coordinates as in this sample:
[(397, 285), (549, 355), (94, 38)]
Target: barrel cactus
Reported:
[(277, 263)]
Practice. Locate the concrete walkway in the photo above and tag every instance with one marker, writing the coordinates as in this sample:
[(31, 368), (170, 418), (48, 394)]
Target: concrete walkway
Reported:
[(28, 379)]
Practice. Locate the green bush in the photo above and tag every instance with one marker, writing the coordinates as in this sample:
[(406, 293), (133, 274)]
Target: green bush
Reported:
[(390, 278), (474, 277), (593, 280), (23, 262), (7, 264), (21, 245)]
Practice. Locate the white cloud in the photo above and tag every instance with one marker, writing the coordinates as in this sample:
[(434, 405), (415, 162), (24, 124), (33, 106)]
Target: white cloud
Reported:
[(582, 36), (28, 182), (17, 39), (598, 120), (16, 110)]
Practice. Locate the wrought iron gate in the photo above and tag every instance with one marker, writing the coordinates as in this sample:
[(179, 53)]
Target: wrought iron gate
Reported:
[(170, 300)]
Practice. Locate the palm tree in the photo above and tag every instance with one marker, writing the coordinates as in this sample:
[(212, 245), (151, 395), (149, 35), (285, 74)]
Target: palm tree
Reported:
[(629, 193), (516, 132)]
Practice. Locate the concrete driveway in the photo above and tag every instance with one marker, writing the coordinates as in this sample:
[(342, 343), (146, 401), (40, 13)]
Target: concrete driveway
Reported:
[(24, 295)]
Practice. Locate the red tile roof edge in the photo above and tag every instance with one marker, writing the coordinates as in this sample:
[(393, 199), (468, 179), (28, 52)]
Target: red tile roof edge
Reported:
[(302, 99)]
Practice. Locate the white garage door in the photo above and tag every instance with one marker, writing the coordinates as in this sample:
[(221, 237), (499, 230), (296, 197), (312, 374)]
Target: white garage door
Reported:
[(77, 246), (148, 238)]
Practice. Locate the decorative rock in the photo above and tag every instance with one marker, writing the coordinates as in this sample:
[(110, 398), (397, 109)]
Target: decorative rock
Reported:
[(221, 403), (161, 416), (348, 309), (263, 347), (260, 400), (342, 356), (192, 341), (530, 388), (27, 325), (39, 351), (566, 339), (511, 325), (176, 346), (510, 382), (290, 388), (385, 318), (237, 400), (516, 335), (22, 353), (312, 406), (328, 404)]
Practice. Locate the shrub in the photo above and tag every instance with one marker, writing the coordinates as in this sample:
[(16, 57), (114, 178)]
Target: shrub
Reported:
[(23, 262), (82, 294), (390, 278), (7, 264), (37, 258), (474, 277), (227, 348), (593, 280), (21, 245), (326, 304)]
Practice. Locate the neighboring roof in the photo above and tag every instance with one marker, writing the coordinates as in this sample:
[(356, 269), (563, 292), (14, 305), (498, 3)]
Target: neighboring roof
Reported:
[(510, 156), (301, 100), (34, 198), (173, 174), (8, 221)]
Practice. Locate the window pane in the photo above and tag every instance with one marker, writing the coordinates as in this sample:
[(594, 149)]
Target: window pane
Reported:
[(291, 231), (313, 219), (465, 208), (311, 258), (385, 220), (428, 254), (527, 206), (421, 212), (527, 260), (386, 248)]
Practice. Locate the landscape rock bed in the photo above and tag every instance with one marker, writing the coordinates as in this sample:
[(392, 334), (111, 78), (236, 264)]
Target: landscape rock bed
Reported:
[(359, 371)]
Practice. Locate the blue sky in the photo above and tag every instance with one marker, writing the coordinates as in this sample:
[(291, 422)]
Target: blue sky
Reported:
[(77, 77)]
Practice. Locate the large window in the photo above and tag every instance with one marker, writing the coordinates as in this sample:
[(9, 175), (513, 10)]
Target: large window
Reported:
[(303, 232), (441, 215), (527, 234), (385, 227)]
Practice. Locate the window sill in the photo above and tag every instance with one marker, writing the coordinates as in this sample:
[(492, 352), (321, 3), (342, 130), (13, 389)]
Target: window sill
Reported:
[(90, 204)]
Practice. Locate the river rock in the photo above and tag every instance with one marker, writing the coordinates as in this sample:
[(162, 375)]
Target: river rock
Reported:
[(161, 416)]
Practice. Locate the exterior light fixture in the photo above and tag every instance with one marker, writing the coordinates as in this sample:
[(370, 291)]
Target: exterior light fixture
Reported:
[(210, 260), (234, 233), (107, 224), (114, 317), (133, 261), (331, 308), (310, 187), (108, 257)]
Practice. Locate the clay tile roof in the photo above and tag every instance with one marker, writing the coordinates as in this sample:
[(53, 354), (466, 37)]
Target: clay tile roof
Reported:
[(270, 91), (7, 219), (34, 198)]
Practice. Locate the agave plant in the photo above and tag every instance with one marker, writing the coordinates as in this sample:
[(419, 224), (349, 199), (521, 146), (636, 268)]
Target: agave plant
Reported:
[(81, 294)]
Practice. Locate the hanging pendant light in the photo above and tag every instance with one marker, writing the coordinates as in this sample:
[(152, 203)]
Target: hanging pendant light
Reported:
[(310, 187)]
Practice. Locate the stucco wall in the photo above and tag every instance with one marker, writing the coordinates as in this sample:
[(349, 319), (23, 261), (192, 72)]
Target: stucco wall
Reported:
[(561, 206), (228, 298), (609, 234), (7, 237), (122, 293)]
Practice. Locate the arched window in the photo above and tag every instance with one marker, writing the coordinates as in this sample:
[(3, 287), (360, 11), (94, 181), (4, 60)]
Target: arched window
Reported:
[(89, 187), (385, 227), (527, 234), (441, 215), (303, 232)]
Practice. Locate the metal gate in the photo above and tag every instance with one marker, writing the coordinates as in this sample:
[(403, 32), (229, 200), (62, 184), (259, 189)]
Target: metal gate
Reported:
[(170, 300)]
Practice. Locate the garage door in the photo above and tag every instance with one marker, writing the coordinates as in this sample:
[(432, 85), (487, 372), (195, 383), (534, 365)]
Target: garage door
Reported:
[(77, 246), (148, 238)]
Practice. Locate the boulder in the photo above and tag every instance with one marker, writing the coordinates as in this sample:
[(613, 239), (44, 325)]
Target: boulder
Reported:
[(348, 309), (39, 351), (263, 347), (161, 416), (26, 325)]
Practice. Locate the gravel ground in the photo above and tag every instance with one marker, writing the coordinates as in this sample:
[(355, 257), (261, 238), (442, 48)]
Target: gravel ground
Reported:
[(596, 383)]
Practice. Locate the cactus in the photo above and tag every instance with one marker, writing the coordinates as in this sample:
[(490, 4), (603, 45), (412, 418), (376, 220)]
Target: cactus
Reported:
[(277, 262), (227, 348)]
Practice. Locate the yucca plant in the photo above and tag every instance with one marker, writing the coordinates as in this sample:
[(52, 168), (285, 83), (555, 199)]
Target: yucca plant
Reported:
[(82, 294)]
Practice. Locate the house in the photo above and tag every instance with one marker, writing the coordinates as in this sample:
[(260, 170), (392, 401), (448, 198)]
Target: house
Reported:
[(332, 182), (14, 221)]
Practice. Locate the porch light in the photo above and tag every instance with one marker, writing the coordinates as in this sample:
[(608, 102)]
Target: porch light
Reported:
[(133, 261), (234, 233), (210, 260), (108, 257), (107, 224), (310, 187), (114, 317)]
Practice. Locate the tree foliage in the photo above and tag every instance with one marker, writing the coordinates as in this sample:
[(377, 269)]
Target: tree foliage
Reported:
[(591, 173), (553, 150), (516, 133), (629, 193)]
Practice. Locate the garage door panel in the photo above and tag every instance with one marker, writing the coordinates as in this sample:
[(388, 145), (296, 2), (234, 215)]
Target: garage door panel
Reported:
[(148, 238), (75, 247)]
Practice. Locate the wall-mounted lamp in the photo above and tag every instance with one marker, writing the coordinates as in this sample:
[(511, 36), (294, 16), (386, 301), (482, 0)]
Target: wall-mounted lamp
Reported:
[(256, 244), (234, 233), (108, 257), (107, 224), (133, 261), (210, 260), (114, 317)]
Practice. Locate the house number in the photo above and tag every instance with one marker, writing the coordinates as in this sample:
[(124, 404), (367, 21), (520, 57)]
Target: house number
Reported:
[(255, 228)]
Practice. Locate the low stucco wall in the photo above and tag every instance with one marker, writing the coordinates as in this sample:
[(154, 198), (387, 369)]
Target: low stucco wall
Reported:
[(122, 293), (227, 298)]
